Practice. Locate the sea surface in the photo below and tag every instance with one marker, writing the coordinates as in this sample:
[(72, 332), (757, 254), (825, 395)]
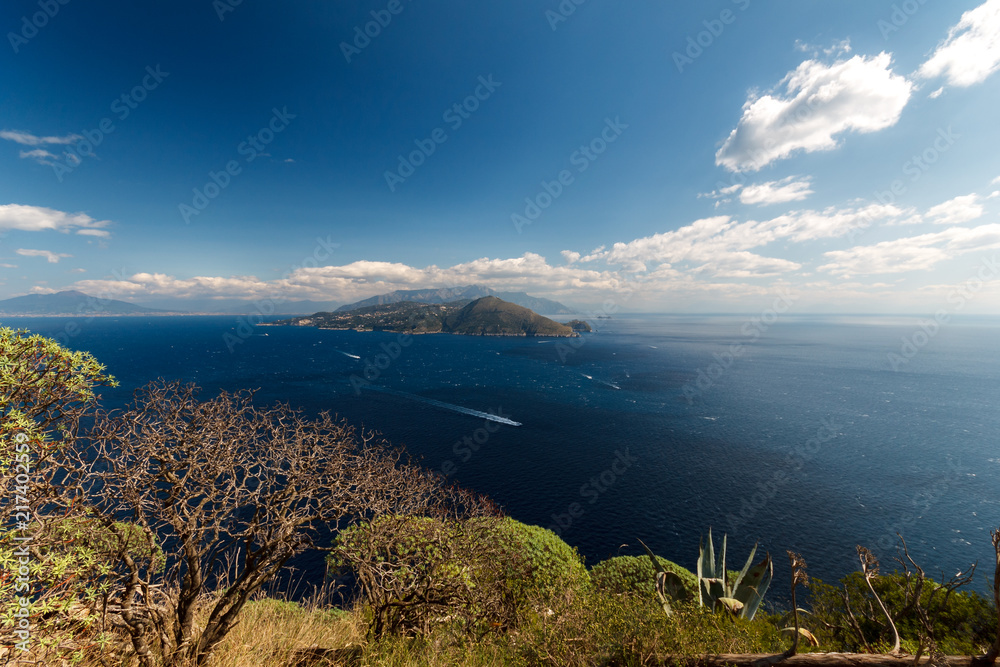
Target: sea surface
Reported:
[(803, 434)]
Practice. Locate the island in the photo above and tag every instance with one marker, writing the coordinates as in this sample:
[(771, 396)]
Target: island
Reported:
[(487, 316)]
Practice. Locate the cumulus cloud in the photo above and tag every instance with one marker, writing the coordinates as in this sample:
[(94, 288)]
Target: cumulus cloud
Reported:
[(720, 245), (776, 192), (361, 279), (813, 104), (916, 253), (971, 52), (570, 256), (956, 211), (50, 257), (38, 218)]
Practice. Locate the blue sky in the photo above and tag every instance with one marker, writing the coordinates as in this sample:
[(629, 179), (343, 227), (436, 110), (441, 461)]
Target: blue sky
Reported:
[(678, 156)]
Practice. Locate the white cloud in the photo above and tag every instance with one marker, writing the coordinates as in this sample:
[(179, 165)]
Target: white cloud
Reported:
[(50, 257), (570, 256), (39, 155), (917, 253), (720, 245), (38, 218), (956, 211), (8, 266), (818, 102), (776, 192), (361, 279), (971, 52), (28, 139), (995, 181)]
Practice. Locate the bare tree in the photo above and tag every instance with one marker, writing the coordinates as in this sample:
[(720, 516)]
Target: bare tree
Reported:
[(222, 481)]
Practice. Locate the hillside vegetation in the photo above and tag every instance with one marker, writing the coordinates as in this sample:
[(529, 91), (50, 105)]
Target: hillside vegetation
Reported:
[(156, 538), (488, 316)]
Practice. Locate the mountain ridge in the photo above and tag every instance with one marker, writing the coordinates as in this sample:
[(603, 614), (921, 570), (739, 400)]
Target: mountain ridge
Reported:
[(486, 316), (71, 302), (434, 295)]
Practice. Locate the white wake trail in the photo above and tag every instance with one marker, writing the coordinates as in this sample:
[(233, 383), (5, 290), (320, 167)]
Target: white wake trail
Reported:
[(448, 406)]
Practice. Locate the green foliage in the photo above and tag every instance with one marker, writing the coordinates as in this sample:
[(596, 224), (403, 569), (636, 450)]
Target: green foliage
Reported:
[(603, 628), (44, 392), (741, 595), (487, 571), (965, 625), (635, 574), (415, 571), (554, 566)]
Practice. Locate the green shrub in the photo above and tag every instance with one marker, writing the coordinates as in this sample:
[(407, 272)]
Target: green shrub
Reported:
[(555, 566), (487, 572), (965, 624), (635, 574), (415, 572)]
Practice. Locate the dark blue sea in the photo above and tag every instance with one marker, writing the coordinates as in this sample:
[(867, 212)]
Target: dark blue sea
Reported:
[(806, 434)]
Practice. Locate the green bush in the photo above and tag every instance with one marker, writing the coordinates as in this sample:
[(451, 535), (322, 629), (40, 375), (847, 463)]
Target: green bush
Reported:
[(555, 566), (635, 574), (416, 572), (965, 624), (488, 572)]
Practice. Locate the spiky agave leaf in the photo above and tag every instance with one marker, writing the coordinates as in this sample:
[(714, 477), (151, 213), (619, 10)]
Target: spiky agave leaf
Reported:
[(660, 583), (736, 584), (661, 591), (754, 585)]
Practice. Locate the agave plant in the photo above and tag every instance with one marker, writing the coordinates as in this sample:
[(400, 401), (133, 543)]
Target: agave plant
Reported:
[(669, 586), (742, 596)]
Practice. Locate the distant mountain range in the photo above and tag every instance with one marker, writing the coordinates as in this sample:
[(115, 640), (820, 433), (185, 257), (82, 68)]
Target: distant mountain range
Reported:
[(467, 292), (71, 302), (488, 316)]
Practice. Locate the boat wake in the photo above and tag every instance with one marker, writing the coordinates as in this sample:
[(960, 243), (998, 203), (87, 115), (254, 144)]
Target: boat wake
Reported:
[(447, 406), (352, 356)]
